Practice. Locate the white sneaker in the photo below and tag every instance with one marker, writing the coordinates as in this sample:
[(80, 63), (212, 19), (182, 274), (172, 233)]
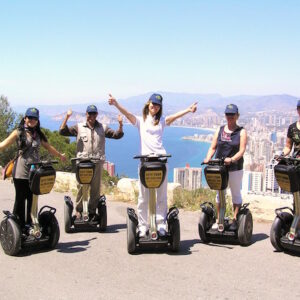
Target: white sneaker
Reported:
[(215, 226), (142, 231)]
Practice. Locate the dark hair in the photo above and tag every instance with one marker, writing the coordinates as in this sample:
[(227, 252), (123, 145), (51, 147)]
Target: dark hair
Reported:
[(21, 127), (146, 112)]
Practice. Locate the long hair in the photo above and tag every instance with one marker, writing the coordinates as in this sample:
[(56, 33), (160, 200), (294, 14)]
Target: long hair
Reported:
[(146, 112), (37, 128)]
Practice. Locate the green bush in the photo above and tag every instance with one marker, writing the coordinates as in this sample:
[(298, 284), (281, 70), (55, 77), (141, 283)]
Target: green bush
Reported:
[(191, 200)]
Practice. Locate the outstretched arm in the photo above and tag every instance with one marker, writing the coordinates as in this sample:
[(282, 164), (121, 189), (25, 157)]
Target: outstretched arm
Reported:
[(288, 146), (53, 151), (170, 119), (127, 114), (9, 140)]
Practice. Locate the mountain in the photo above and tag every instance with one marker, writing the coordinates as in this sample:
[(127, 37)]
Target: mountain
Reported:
[(173, 102)]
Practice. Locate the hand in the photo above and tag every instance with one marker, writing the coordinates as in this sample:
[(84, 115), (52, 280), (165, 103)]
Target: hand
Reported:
[(112, 100), (69, 113), (62, 157), (206, 160), (193, 107), (120, 120), (227, 161)]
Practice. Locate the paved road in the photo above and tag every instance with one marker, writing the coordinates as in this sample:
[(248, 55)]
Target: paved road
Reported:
[(97, 266)]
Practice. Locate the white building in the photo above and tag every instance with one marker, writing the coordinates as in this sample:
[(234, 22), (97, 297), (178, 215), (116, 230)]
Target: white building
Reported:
[(189, 178), (252, 181), (270, 180)]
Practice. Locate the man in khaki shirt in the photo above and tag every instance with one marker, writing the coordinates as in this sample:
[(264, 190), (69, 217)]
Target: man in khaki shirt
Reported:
[(90, 136)]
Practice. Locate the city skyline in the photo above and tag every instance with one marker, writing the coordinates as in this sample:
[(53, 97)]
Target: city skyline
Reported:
[(75, 52)]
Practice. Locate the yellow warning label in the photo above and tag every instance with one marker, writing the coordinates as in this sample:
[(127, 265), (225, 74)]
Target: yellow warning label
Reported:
[(86, 175), (283, 181), (214, 181), (46, 184), (153, 178)]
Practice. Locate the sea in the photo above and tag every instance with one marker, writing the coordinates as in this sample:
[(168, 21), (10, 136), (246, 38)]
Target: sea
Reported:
[(122, 151)]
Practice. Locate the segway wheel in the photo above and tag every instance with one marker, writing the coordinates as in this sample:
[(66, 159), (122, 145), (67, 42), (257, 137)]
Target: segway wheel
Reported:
[(245, 228), (50, 228), (67, 218), (276, 232), (10, 237), (175, 233), (131, 236), (103, 217), (202, 227)]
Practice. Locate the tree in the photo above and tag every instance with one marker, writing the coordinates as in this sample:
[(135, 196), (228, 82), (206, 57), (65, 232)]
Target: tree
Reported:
[(8, 122)]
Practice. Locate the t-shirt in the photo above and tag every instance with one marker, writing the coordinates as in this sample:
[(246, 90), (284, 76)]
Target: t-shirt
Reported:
[(151, 135), (294, 135)]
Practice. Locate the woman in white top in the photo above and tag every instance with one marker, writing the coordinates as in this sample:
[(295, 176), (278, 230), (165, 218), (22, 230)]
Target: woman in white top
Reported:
[(151, 126)]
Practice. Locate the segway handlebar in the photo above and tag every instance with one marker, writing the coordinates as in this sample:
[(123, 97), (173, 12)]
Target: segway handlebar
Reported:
[(42, 163), (286, 159), (152, 155), (215, 161), (85, 158)]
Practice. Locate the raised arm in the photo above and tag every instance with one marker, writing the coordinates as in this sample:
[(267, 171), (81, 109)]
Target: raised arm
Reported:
[(9, 140), (127, 114), (212, 149), (64, 122), (170, 119)]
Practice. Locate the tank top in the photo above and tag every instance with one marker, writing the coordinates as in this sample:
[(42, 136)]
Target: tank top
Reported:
[(228, 145)]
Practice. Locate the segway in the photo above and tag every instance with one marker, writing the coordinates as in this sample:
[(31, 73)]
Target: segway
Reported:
[(216, 174), (284, 234), (85, 169), (152, 175), (44, 230)]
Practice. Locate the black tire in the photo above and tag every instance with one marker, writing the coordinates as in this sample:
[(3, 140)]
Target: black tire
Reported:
[(67, 218), (50, 228), (276, 232), (175, 234), (202, 227), (102, 211), (131, 235), (245, 228), (10, 237)]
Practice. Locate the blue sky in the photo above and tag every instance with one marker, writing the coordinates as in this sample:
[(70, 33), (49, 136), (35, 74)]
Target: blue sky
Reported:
[(55, 52)]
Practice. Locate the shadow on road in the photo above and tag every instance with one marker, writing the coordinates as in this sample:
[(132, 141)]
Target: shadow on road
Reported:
[(115, 228), (257, 237), (74, 247), (185, 247)]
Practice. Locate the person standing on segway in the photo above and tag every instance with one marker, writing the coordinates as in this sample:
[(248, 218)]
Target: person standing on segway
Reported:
[(29, 138), (90, 137), (293, 137), (229, 142), (151, 126)]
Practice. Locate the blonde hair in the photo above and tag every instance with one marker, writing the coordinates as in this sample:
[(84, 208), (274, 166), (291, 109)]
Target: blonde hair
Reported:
[(146, 112)]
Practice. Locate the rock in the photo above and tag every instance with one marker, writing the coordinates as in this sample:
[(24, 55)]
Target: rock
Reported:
[(65, 182), (128, 189), (172, 187)]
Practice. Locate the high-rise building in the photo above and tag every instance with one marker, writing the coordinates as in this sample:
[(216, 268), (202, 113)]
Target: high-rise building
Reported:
[(109, 167), (270, 180), (189, 178)]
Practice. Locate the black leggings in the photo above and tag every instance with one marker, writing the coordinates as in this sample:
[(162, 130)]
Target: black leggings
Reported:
[(23, 193)]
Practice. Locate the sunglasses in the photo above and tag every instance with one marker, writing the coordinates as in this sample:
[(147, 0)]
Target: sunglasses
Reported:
[(92, 113), (32, 118), (229, 114)]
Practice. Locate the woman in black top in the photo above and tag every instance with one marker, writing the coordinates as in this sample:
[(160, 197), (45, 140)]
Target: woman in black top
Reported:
[(229, 142), (293, 137)]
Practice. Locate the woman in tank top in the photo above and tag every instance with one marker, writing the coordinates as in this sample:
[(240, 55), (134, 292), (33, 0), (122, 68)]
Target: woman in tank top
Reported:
[(229, 142), (29, 138)]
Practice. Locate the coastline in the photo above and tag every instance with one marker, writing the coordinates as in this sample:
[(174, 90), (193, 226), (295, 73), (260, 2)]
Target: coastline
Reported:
[(191, 127)]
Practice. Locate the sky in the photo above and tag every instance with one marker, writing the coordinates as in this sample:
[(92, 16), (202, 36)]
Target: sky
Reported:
[(71, 51)]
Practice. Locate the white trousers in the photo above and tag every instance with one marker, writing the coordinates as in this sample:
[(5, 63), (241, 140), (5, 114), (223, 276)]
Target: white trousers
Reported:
[(235, 185), (161, 204)]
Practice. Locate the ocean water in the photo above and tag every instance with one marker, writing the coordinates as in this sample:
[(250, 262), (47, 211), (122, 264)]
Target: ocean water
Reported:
[(121, 152)]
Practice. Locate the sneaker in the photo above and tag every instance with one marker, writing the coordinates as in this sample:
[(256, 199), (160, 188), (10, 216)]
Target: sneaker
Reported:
[(142, 231), (162, 231), (215, 226), (233, 226)]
